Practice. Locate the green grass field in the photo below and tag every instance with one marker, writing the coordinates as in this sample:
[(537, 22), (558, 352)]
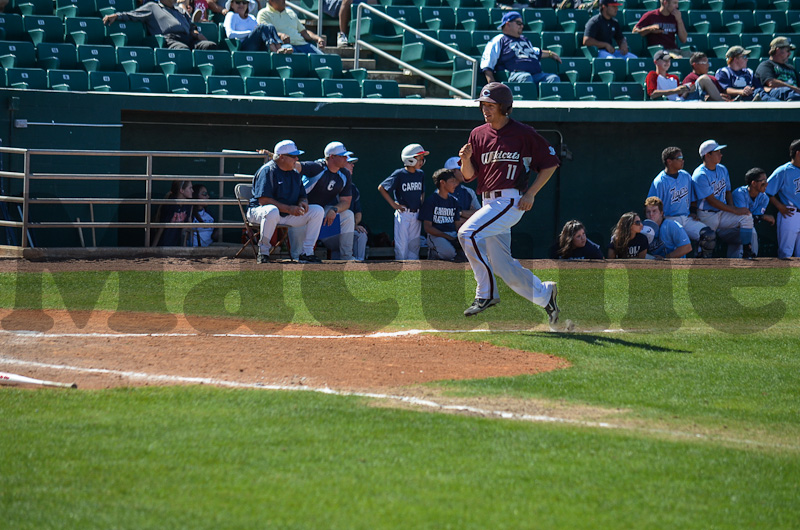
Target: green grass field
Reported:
[(702, 386)]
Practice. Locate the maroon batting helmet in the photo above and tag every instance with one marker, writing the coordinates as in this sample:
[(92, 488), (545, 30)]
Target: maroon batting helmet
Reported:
[(497, 93)]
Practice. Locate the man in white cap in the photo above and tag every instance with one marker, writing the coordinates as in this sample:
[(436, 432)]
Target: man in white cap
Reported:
[(712, 189), (329, 184), (513, 52), (467, 199), (777, 75), (280, 199)]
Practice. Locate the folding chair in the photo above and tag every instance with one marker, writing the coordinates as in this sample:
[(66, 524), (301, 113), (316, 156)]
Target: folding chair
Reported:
[(244, 192)]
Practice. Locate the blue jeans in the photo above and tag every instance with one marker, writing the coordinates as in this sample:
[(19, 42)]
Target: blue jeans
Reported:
[(525, 77), (307, 48), (260, 39), (602, 54), (779, 94)]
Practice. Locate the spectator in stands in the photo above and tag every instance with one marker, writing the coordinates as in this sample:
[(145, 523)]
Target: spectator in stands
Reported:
[(752, 197), (573, 243), (627, 240), (174, 213), (712, 189), (777, 76), (441, 217), (708, 88), (341, 9), (667, 239), (660, 84), (737, 80), (202, 237), (603, 30), (290, 29), (513, 52), (161, 18), (467, 199), (242, 26), (660, 26), (783, 189), (280, 199)]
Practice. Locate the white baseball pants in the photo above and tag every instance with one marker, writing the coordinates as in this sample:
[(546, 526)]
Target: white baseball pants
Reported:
[(407, 228), (486, 240), (690, 224), (789, 234), (268, 218), (722, 220), (441, 248)]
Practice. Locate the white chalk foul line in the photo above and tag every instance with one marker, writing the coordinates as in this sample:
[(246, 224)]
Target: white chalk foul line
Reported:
[(404, 399)]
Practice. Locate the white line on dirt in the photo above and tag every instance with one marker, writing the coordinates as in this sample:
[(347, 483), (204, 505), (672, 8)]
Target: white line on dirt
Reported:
[(404, 399)]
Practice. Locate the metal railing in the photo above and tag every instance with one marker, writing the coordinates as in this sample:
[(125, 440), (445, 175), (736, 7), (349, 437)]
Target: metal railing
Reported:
[(27, 176), (313, 16), (359, 43)]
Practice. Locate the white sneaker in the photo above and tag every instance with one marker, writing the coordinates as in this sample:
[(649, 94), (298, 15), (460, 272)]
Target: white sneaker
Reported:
[(341, 40)]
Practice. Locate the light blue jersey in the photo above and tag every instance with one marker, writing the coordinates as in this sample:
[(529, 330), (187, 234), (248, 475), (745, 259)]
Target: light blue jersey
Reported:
[(708, 182), (669, 236), (785, 183), (674, 192), (742, 199)]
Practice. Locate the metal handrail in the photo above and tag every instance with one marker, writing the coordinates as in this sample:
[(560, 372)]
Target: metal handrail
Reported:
[(309, 14), (359, 43), (148, 177)]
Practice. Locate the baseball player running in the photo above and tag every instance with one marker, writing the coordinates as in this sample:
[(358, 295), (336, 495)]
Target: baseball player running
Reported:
[(499, 154)]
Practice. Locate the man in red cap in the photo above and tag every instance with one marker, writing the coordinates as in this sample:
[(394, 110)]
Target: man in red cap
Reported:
[(603, 30), (500, 153)]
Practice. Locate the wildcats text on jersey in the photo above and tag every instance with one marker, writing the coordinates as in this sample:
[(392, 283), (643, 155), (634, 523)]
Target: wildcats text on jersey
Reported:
[(499, 156)]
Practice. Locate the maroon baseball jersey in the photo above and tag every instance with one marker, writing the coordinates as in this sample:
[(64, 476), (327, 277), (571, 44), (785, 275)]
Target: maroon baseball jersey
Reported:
[(503, 158)]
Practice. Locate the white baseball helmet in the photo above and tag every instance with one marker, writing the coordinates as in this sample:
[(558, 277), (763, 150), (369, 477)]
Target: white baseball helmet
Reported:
[(410, 153), (649, 230)]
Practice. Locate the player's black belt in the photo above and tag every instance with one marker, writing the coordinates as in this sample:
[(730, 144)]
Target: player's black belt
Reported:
[(412, 211), (496, 194)]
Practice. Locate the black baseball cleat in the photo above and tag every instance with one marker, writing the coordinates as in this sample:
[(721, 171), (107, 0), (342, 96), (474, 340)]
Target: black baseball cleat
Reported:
[(552, 306), (306, 258), (262, 258), (747, 252), (479, 305)]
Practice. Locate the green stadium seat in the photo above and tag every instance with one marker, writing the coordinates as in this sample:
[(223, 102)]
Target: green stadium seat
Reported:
[(680, 67), (75, 8), (536, 39), (26, 78), (11, 27), (609, 70), (572, 20), (264, 86), (174, 61), (705, 21), (556, 92), (715, 63), (326, 66), (136, 59), (43, 28), (770, 22), (739, 22), (473, 19), (341, 88), (695, 42), (375, 29), (560, 42), (211, 31), (438, 17), (35, 7), (634, 4), (186, 84), (539, 20), (718, 43), (630, 17), (292, 65), (212, 62), (786, 5), (256, 64), (591, 91), (125, 34), (53, 55), (626, 92), (424, 55), (458, 39), (71, 80), (479, 41), (107, 7), (380, 88), (97, 57), (496, 17), (577, 69), (455, 4), (636, 44), (637, 69), (302, 87), (108, 81), (462, 75), (793, 20), (225, 85), (151, 83), (17, 54), (757, 43), (524, 91), (84, 30), (409, 15)]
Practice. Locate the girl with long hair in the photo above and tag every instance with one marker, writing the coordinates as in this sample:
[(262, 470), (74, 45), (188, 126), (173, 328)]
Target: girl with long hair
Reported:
[(627, 240)]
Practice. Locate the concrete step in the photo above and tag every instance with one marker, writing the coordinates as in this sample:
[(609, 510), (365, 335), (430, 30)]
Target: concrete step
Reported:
[(411, 90), (348, 64)]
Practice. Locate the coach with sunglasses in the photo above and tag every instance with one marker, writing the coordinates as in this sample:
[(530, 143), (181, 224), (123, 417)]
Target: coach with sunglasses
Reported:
[(162, 18)]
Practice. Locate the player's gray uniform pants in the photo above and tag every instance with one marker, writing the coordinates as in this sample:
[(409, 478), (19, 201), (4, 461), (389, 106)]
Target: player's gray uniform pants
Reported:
[(268, 218), (690, 224), (789, 234), (343, 241), (722, 220), (486, 240), (735, 250), (441, 248)]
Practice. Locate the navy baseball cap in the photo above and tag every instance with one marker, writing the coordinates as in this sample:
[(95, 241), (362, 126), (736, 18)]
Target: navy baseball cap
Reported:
[(508, 17)]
